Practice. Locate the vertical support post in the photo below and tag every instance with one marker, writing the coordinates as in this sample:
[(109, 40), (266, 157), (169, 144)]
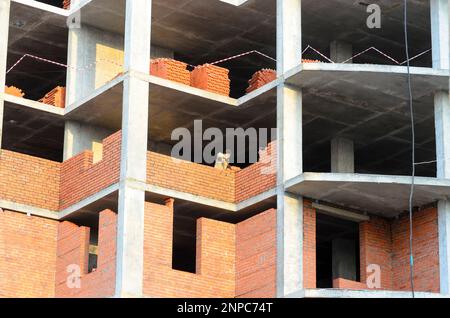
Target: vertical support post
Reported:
[(440, 35), (341, 51), (130, 242), (342, 156), (5, 6), (290, 151), (442, 124)]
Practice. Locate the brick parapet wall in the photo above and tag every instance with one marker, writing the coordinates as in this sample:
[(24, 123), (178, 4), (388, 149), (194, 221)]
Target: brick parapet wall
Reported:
[(81, 178), (73, 249), (29, 180), (188, 177), (57, 186), (259, 177)]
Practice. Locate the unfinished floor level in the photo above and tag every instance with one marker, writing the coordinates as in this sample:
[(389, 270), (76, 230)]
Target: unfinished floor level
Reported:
[(306, 193)]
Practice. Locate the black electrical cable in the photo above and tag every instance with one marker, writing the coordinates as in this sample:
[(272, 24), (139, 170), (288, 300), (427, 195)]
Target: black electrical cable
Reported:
[(413, 146)]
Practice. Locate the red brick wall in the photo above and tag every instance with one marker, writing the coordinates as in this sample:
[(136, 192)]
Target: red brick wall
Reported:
[(73, 248), (309, 245), (189, 177), (29, 180), (386, 243), (80, 178), (215, 258), (259, 177), (27, 255), (342, 283), (426, 251), (376, 248), (256, 256)]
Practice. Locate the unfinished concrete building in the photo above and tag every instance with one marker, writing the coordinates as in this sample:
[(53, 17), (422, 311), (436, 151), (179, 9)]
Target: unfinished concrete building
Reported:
[(93, 205)]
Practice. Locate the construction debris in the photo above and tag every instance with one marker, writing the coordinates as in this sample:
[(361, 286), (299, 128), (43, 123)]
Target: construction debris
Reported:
[(56, 97)]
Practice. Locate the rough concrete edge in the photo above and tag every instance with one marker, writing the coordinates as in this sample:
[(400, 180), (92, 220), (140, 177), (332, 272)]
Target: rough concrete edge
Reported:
[(28, 103), (346, 293), (26, 209), (43, 6), (89, 200), (365, 178)]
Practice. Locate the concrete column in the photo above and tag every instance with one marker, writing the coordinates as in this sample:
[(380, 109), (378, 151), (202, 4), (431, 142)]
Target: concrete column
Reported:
[(341, 52), (5, 6), (440, 33), (343, 259), (79, 137), (290, 151), (130, 243), (342, 156), (444, 245), (442, 124), (95, 57)]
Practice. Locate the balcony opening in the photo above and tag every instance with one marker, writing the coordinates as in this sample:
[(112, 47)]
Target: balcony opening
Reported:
[(337, 248)]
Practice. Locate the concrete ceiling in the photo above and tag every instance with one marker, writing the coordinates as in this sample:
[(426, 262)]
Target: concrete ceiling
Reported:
[(205, 31), (33, 132), (41, 33), (387, 196)]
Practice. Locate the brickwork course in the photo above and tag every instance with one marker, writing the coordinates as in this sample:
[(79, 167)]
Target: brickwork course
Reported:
[(206, 231)]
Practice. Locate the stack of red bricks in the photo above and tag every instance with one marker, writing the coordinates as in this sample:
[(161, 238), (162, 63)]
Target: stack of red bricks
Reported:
[(310, 61), (211, 78), (66, 4), (56, 97), (261, 78), (14, 91), (171, 69), (207, 77)]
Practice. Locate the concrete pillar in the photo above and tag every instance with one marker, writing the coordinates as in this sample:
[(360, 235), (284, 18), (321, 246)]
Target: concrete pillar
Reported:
[(290, 151), (130, 243), (444, 245), (79, 137), (343, 259), (342, 156), (341, 52), (95, 57), (5, 6), (440, 33), (442, 124)]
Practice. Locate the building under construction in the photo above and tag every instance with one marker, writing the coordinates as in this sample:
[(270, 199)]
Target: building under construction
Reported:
[(93, 202)]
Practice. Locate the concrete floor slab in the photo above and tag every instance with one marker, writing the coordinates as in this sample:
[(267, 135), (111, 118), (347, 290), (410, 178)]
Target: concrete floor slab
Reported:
[(387, 196), (174, 105), (357, 80)]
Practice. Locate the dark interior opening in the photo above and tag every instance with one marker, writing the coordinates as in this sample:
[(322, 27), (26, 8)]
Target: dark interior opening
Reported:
[(337, 250)]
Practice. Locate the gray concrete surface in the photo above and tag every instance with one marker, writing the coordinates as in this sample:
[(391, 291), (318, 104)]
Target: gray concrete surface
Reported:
[(386, 196), (133, 165)]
